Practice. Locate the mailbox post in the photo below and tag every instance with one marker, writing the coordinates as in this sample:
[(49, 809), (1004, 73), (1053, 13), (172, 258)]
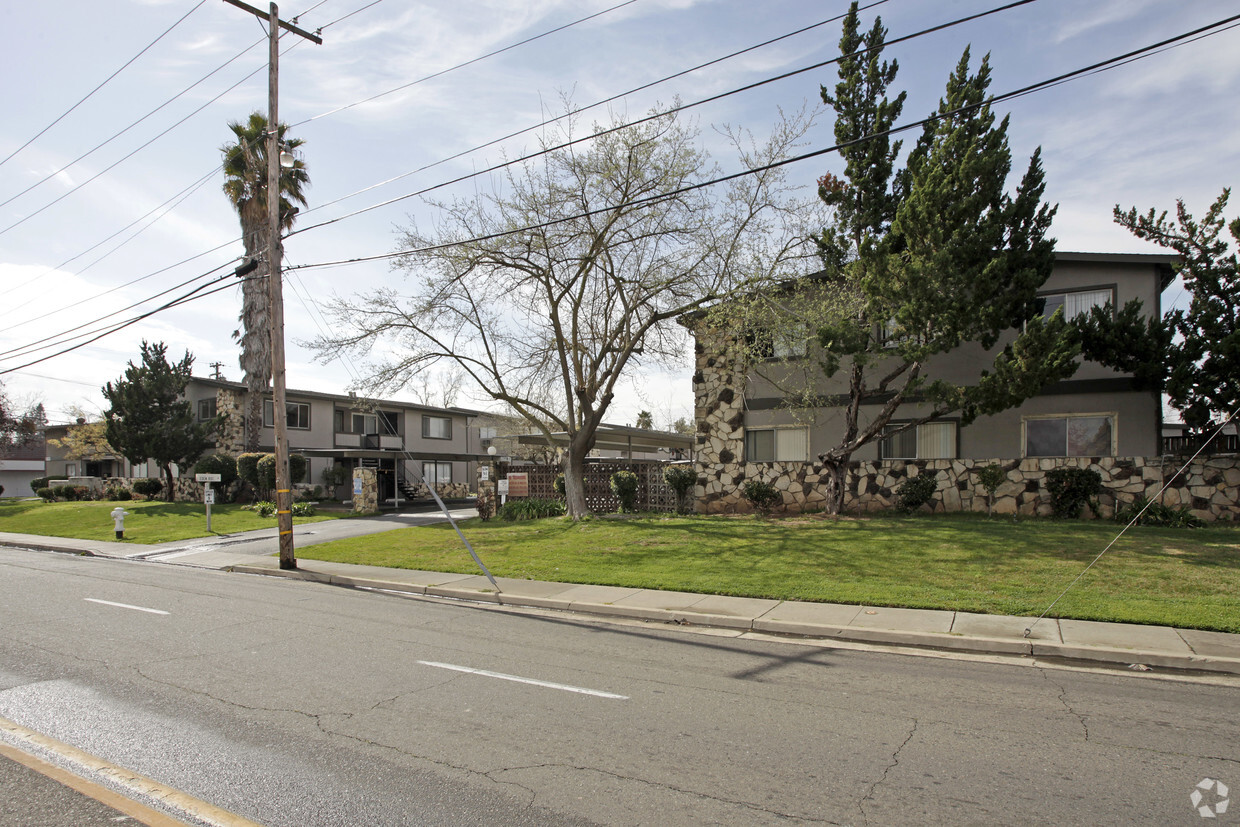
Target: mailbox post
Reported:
[(208, 494)]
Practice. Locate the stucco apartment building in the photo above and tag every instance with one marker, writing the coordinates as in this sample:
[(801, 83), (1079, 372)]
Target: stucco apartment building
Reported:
[(405, 442), (1098, 418)]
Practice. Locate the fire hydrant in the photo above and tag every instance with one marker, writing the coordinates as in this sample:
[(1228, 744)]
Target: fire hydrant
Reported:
[(118, 521)]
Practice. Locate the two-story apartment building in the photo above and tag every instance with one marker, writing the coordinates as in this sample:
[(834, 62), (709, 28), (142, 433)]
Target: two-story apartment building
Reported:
[(404, 442), (747, 428)]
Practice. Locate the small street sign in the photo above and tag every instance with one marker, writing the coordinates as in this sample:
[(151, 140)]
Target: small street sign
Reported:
[(207, 477)]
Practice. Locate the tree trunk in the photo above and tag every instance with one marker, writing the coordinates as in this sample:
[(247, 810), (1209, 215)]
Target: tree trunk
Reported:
[(170, 482), (835, 476), (253, 420), (574, 482)]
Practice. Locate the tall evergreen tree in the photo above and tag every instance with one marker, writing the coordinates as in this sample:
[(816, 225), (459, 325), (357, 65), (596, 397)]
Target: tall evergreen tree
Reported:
[(925, 259), (245, 184), (147, 417), (1193, 354)]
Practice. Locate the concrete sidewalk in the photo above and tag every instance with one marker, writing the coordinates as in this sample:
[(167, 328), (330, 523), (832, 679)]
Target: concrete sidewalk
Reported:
[(1111, 644), (1122, 644)]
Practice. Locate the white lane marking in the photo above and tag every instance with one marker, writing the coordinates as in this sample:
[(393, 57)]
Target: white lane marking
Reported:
[(565, 687), (125, 606)]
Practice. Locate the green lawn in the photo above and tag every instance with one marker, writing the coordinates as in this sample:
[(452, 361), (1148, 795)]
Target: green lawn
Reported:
[(1176, 577), (149, 521)]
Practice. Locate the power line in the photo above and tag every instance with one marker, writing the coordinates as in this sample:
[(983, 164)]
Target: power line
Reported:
[(596, 104), (116, 163), (669, 111), (463, 65), (38, 344), (193, 295), (104, 83), (107, 141), (1110, 63)]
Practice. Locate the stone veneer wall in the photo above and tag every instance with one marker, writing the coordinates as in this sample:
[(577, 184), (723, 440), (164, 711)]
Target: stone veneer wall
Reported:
[(446, 491), (1210, 487), (231, 439), (719, 411)]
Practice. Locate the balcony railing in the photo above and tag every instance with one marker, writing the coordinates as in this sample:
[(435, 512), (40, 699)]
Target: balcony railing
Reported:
[(387, 442), (1221, 444)]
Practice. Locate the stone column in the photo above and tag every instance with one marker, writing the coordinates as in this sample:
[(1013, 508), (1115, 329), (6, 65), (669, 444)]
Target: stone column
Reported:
[(365, 491)]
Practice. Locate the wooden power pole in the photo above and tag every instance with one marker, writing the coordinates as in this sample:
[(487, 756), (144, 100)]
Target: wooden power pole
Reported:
[(275, 290)]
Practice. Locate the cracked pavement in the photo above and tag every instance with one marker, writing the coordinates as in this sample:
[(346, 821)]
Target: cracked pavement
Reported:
[(294, 703)]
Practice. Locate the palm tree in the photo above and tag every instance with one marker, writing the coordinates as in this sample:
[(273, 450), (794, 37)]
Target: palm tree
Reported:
[(245, 184)]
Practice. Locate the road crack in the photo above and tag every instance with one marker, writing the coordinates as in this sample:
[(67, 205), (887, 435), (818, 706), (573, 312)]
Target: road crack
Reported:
[(895, 762), (1067, 705)]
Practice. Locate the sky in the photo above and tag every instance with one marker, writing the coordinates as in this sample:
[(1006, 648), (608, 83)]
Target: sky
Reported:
[(120, 230)]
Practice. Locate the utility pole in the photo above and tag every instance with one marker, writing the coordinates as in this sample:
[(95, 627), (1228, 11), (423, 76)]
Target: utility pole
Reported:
[(275, 290)]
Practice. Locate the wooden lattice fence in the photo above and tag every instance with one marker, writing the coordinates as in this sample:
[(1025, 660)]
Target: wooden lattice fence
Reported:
[(652, 492)]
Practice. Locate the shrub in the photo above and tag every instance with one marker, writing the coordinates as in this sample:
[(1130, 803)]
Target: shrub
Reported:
[(991, 477), (247, 468), (559, 486), (82, 493), (265, 468), (147, 487), (530, 509), (42, 482), (485, 505), (680, 478), (303, 509), (119, 493), (64, 492), (334, 475), (624, 486), (223, 464), (46, 494), (263, 508), (1071, 489), (762, 495), (1158, 514), (915, 492)]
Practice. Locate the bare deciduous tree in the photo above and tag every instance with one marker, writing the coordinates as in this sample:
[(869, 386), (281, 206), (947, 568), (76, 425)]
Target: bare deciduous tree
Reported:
[(548, 289)]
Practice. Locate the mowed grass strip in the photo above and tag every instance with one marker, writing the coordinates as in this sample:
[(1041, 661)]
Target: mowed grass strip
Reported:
[(149, 521), (1174, 577)]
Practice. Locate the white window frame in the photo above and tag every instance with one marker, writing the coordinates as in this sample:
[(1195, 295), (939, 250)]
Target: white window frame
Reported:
[(1068, 417), (210, 406), (436, 473), (784, 446), (427, 419), (269, 414), (922, 438), (1077, 302)]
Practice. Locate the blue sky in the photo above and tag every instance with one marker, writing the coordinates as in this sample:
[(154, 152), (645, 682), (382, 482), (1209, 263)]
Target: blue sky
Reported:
[(1140, 135)]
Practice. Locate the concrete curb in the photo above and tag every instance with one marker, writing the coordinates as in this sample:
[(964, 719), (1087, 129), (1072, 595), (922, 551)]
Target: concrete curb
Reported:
[(453, 587)]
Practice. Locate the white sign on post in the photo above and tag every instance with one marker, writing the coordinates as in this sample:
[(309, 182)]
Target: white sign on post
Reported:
[(208, 497), (207, 477)]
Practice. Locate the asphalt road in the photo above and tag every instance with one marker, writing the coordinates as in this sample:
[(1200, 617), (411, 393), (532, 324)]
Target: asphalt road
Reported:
[(293, 703)]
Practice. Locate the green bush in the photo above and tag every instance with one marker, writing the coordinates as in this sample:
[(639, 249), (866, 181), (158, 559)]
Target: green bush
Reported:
[(559, 486), (64, 492), (485, 505), (915, 492), (991, 477), (624, 486), (247, 468), (680, 478), (335, 474), (266, 470), (530, 509), (42, 482), (223, 464), (1071, 489), (303, 509), (46, 494), (147, 487), (263, 508), (762, 495), (1158, 514), (119, 493)]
